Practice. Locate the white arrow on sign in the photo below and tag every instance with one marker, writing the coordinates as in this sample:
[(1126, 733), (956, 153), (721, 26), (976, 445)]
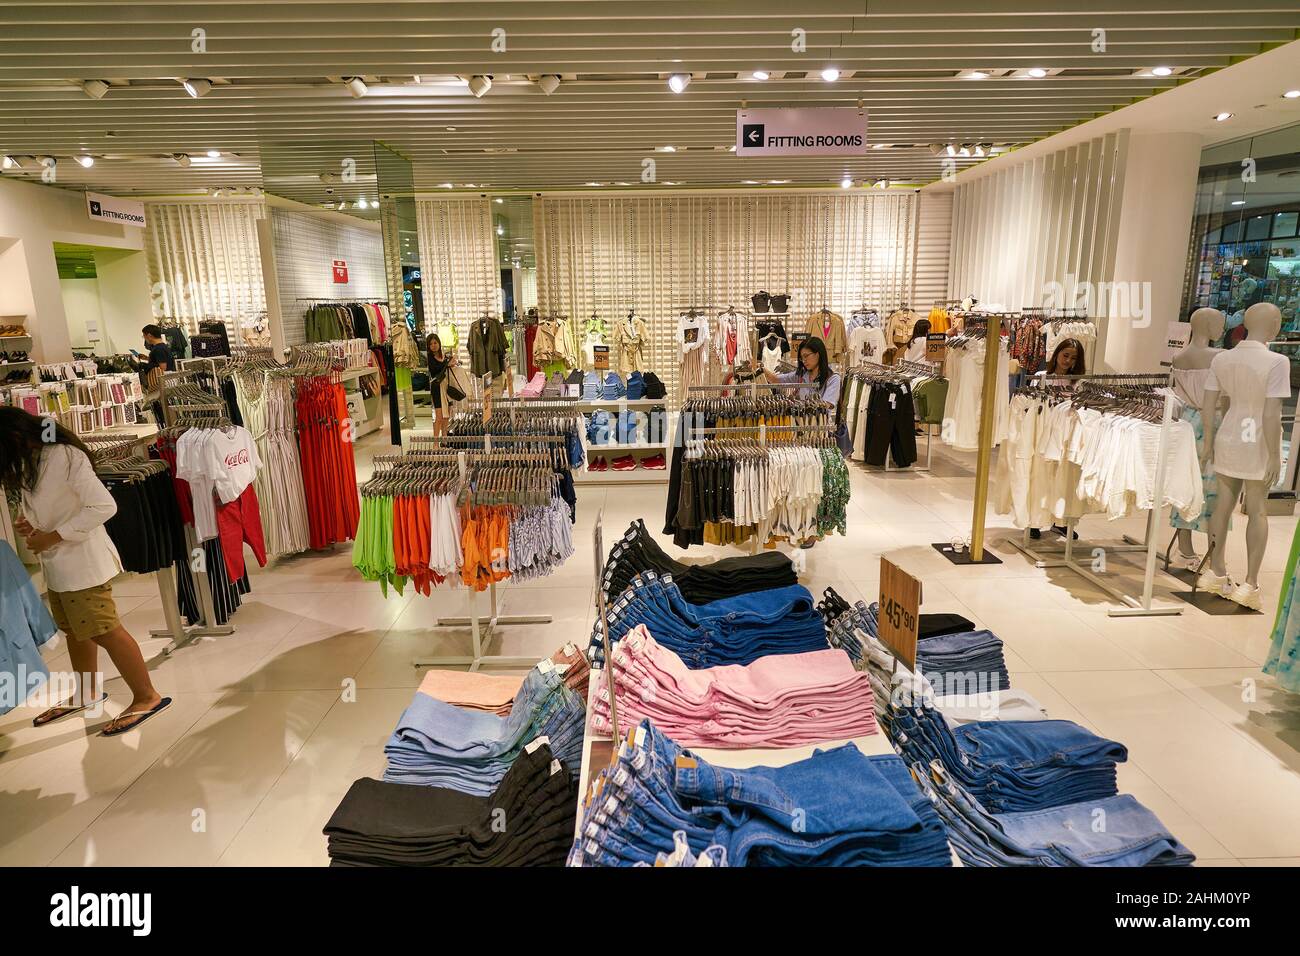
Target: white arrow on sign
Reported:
[(753, 136)]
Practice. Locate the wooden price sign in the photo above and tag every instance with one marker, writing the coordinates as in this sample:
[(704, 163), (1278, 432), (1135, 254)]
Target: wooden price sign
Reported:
[(900, 611), (600, 357), (936, 346)]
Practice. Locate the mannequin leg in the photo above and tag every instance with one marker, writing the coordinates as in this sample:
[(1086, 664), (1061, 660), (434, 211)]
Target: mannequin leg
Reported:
[(1256, 529), (1229, 492), (1185, 544)]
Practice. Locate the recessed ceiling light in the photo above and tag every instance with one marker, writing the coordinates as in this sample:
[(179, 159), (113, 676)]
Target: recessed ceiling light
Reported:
[(1161, 71), (1239, 202), (880, 146), (182, 160), (749, 182), (952, 150), (86, 161), (761, 74), (549, 83), (197, 88), (95, 89), (830, 74), (595, 184), (1221, 117), (778, 182), (499, 200), (500, 231), (214, 154), (973, 75), (846, 183), (979, 150), (667, 149), (679, 81), (479, 85), (451, 129), (7, 162), (1037, 72), (1292, 95), (445, 185)]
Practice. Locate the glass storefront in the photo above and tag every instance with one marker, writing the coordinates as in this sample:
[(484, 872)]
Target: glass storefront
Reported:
[(1245, 248)]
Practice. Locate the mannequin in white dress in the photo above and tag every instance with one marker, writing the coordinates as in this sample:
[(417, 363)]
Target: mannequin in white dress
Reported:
[(1191, 370), (1246, 447)]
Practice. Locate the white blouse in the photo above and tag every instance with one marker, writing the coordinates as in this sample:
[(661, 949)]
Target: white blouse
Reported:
[(70, 499)]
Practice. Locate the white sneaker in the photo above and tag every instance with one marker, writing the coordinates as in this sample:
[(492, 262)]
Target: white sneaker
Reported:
[(1189, 561), (1246, 596), (1214, 584)]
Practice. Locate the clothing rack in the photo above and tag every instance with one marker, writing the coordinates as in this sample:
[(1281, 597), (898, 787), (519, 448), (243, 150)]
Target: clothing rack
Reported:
[(1132, 606), (480, 631)]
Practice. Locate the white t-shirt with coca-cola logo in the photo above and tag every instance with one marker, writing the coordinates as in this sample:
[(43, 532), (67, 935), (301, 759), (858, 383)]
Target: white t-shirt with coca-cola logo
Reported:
[(220, 461)]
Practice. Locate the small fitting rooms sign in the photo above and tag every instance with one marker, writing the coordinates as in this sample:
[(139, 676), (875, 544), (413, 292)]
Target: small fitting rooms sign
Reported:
[(801, 132)]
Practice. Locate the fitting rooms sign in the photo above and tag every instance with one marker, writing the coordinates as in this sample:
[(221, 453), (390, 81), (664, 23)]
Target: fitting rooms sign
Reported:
[(801, 132)]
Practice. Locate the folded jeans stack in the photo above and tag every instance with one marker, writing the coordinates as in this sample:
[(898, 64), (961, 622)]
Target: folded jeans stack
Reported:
[(638, 551), (495, 693), (735, 630), (1060, 836), (591, 387), (387, 824), (683, 857), (783, 700), (836, 808), (963, 663), (613, 388), (438, 744)]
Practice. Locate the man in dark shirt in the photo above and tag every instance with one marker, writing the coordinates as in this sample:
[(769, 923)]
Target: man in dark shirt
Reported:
[(160, 353)]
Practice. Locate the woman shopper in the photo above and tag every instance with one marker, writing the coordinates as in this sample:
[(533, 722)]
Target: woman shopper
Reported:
[(816, 374), (439, 363), (916, 347), (47, 470), (1067, 359)]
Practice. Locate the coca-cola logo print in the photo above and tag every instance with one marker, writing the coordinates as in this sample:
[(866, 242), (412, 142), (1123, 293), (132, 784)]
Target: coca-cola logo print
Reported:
[(237, 459)]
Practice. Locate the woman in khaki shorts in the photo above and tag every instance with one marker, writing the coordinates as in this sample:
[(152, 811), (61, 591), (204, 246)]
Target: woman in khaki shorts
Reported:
[(64, 507)]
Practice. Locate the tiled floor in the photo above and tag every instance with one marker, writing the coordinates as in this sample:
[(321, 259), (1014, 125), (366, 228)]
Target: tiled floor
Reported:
[(271, 725)]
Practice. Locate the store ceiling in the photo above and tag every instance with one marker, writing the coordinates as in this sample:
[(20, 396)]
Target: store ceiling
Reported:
[(280, 115)]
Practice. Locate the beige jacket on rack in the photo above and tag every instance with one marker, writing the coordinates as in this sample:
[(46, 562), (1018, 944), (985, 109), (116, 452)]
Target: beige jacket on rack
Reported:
[(405, 352), (629, 344), (899, 326), (837, 340)]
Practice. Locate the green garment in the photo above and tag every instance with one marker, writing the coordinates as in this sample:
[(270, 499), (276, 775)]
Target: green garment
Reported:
[(929, 398)]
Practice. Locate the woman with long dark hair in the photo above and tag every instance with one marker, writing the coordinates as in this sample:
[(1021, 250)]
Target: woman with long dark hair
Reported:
[(47, 470), (815, 371), (439, 363), (1067, 359)]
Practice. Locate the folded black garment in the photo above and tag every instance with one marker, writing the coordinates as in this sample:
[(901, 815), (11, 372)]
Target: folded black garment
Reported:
[(935, 625)]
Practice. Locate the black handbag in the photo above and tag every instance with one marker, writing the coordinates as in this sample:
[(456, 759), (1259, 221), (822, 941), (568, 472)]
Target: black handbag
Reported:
[(780, 303), (760, 301), (454, 393)]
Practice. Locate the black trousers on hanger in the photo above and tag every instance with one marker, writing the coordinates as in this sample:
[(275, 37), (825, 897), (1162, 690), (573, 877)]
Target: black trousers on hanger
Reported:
[(891, 424)]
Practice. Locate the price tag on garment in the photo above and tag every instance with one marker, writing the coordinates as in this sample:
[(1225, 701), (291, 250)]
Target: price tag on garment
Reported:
[(536, 744), (936, 346), (900, 611), (600, 357)]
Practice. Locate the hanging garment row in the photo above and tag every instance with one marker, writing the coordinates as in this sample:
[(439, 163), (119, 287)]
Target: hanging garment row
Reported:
[(881, 406), (326, 321), (541, 418), (964, 368), (1092, 447), (474, 518)]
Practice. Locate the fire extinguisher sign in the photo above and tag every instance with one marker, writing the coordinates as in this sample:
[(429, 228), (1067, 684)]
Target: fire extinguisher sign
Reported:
[(340, 270)]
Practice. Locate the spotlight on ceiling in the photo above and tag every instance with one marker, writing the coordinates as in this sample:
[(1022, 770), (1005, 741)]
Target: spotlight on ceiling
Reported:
[(362, 204), (760, 74), (214, 154), (1291, 95), (356, 86), (952, 150), (7, 162), (1161, 71), (667, 149), (86, 161), (498, 200), (95, 89), (480, 84), (197, 88), (1037, 72), (830, 74), (182, 160), (549, 83), (936, 149), (965, 150), (881, 184), (979, 150), (846, 183), (1239, 202), (1222, 117), (679, 81), (973, 75), (501, 231)]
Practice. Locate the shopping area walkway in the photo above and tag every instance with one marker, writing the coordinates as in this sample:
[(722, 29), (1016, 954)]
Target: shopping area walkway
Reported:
[(271, 725)]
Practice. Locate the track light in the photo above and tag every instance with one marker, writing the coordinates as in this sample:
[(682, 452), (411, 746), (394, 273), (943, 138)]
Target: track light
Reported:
[(197, 88), (214, 154), (679, 81), (964, 151), (86, 161), (7, 162), (480, 84), (667, 149), (830, 74), (761, 74), (356, 86), (1291, 95), (1037, 72), (936, 149), (846, 183), (952, 150), (182, 160), (1222, 117), (549, 83), (1161, 71), (979, 150), (500, 231), (362, 204), (95, 89)]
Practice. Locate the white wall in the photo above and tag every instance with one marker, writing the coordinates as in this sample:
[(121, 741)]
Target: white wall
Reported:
[(32, 219), (81, 306), (123, 298)]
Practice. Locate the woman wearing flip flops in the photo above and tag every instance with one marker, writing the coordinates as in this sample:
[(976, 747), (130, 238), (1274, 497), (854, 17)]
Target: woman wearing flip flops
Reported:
[(64, 506)]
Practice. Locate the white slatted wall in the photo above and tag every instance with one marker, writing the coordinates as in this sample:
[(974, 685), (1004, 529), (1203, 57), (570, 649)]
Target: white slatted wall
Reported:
[(305, 249), (204, 262), (661, 253), (458, 262), (933, 243), (1051, 219)]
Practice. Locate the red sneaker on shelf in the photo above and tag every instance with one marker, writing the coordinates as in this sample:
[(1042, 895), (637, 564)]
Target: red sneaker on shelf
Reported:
[(625, 463), (598, 464), (654, 463)]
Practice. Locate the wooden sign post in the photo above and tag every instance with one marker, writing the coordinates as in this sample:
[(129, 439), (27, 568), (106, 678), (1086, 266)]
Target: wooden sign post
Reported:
[(900, 612)]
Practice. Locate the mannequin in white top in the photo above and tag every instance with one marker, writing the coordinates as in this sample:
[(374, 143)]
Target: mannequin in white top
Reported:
[(1247, 447), (1191, 369)]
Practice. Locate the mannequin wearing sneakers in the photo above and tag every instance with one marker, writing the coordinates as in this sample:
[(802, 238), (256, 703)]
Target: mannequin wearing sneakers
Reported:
[(1246, 447), (1191, 370)]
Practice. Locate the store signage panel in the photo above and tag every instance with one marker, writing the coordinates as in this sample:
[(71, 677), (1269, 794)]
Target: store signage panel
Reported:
[(120, 212), (936, 346), (600, 357), (825, 131), (900, 612), (340, 270)]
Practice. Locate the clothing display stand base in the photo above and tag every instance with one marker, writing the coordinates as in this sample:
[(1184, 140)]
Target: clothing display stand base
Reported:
[(1212, 604), (482, 632), (1132, 607), (963, 557), (180, 634), (1040, 561)]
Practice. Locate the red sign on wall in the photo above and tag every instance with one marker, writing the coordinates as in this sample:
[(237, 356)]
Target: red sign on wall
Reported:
[(340, 270)]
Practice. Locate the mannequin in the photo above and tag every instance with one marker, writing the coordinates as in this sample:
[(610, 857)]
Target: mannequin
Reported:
[(1191, 370), (1246, 446)]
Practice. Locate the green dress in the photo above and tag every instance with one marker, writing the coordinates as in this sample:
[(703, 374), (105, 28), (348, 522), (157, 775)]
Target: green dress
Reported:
[(1283, 660)]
